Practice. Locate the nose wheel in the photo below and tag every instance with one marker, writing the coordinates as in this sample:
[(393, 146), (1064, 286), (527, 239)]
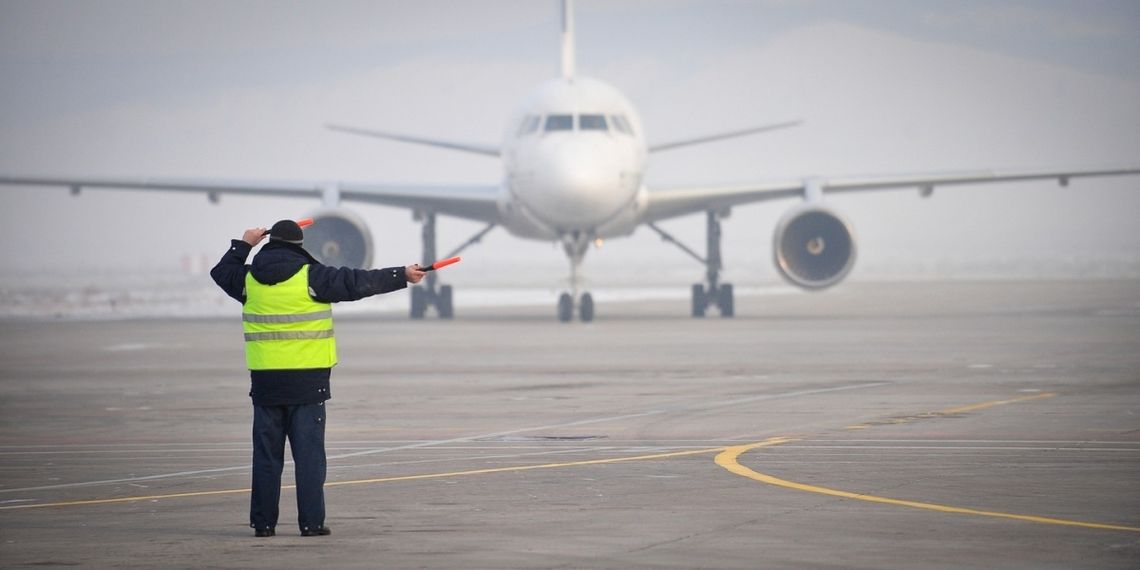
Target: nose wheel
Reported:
[(566, 307), (575, 245), (586, 308)]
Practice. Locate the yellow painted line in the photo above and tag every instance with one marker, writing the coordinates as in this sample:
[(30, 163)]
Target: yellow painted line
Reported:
[(772, 441), (950, 411), (127, 499), (524, 467), (729, 459), (984, 405)]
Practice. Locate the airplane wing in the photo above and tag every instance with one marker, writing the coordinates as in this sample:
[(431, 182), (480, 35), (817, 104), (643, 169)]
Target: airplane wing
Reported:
[(470, 202), (483, 149), (658, 147), (671, 202)]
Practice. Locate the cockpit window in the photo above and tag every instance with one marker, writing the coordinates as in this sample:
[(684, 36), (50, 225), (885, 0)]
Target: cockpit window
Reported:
[(529, 125), (559, 123), (592, 122), (621, 124)]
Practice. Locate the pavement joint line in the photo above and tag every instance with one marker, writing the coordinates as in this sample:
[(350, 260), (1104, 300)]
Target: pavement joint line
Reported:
[(433, 443), (770, 441)]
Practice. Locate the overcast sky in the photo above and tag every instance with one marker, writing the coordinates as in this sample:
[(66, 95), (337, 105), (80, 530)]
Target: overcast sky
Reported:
[(242, 89)]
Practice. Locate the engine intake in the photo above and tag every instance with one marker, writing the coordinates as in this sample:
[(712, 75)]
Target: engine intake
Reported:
[(814, 247), (339, 238)]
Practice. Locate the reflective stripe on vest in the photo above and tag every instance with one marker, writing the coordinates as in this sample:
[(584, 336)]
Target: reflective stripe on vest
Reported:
[(285, 329), (250, 318), (288, 335)]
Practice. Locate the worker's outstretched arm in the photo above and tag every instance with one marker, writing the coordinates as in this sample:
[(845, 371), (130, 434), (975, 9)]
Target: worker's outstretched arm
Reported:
[(336, 284)]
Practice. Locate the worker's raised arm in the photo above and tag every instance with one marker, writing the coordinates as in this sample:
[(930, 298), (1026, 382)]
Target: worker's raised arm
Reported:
[(230, 271)]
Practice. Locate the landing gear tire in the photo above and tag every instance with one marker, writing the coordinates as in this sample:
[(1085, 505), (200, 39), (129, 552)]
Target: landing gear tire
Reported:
[(565, 307), (443, 303), (586, 308), (724, 300), (700, 302), (419, 302)]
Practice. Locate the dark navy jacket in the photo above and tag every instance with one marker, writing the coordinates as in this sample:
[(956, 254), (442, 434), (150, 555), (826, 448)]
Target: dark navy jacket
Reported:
[(276, 262)]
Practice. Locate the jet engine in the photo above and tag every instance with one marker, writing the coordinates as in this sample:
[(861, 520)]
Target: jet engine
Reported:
[(814, 247), (339, 237)]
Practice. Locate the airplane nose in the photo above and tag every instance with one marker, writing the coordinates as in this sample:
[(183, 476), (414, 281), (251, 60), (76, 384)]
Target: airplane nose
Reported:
[(580, 182), (579, 166)]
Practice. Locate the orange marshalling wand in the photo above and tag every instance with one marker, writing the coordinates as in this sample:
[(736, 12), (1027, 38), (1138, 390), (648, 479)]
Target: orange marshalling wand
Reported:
[(442, 263)]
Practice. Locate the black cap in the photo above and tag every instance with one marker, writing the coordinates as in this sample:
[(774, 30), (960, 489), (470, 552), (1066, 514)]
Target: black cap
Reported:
[(287, 231)]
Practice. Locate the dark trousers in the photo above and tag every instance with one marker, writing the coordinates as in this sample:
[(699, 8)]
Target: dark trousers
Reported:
[(304, 426)]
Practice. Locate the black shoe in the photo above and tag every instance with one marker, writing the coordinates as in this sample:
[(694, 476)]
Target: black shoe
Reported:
[(264, 532), (319, 531)]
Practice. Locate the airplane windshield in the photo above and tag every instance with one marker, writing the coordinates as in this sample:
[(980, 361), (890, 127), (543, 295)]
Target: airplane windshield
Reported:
[(560, 123), (592, 122), (621, 124)]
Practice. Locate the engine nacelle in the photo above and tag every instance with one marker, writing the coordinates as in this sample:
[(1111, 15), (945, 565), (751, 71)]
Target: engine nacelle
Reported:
[(339, 238), (814, 247)]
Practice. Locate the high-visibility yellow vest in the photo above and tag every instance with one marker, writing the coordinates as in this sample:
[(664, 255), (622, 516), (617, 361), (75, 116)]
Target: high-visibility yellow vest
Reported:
[(285, 329)]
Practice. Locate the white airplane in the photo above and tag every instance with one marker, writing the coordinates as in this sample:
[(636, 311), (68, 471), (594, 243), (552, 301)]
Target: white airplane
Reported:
[(574, 160)]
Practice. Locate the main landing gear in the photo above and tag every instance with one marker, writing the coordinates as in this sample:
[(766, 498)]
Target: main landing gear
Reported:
[(575, 244), (712, 292), (431, 293)]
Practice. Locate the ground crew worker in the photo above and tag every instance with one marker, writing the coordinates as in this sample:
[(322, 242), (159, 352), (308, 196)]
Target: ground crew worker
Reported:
[(290, 350)]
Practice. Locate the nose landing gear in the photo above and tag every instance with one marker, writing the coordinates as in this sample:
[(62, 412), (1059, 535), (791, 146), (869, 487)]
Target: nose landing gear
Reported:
[(566, 307), (575, 245)]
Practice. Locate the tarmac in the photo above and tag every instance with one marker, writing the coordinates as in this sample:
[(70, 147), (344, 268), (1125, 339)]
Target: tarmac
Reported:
[(877, 425)]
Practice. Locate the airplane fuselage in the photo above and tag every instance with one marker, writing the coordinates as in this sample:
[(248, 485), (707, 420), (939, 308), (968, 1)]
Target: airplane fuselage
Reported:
[(574, 158)]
